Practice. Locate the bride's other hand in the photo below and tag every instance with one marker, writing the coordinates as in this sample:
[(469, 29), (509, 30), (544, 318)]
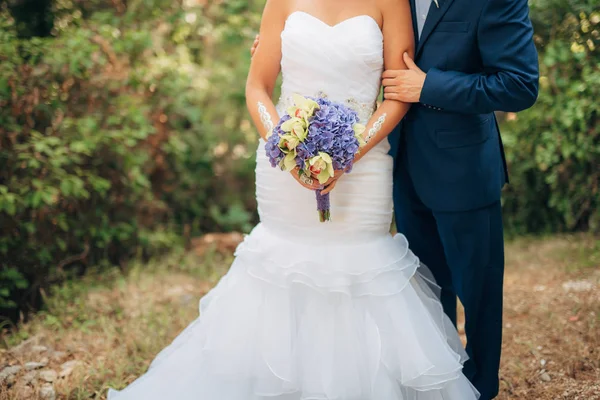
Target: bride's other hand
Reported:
[(330, 184), (307, 181), (329, 188), (254, 46)]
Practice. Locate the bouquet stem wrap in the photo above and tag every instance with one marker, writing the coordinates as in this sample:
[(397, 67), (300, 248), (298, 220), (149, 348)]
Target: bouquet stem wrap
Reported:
[(323, 206)]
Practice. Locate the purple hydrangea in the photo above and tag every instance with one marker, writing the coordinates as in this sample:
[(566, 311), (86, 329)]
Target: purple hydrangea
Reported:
[(274, 152), (330, 131)]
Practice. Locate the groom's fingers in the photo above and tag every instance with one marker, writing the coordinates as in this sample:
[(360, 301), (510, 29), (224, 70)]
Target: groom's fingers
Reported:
[(398, 93), (390, 73), (395, 77), (393, 96), (410, 64), (393, 89), (404, 85), (390, 82)]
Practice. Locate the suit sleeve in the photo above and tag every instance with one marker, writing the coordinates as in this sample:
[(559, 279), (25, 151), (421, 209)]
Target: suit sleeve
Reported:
[(509, 80)]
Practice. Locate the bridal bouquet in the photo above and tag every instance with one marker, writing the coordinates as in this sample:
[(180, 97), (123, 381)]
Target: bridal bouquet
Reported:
[(318, 136)]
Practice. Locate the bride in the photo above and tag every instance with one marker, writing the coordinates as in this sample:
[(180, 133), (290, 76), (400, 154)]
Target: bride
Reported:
[(309, 310)]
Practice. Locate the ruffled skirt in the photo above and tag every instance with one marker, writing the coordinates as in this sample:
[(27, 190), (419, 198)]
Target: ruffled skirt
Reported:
[(298, 321)]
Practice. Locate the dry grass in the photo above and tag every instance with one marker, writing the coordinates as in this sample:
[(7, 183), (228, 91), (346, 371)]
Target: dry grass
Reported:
[(552, 319), (114, 325)]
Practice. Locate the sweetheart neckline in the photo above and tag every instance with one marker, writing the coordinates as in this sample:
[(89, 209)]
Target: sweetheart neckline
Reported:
[(339, 23)]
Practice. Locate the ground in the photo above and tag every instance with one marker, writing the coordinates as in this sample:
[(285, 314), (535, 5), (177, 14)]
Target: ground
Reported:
[(104, 330)]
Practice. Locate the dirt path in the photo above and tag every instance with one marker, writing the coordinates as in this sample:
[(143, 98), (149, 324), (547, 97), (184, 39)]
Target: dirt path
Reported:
[(551, 344), (104, 330)]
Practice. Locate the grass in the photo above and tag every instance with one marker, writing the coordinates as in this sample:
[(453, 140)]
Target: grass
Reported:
[(115, 324)]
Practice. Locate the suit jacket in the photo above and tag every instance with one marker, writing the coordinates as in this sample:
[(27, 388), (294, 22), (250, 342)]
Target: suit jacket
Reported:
[(479, 57)]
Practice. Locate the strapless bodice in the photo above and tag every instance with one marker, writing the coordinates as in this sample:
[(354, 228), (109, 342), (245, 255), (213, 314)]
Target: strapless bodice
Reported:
[(343, 62)]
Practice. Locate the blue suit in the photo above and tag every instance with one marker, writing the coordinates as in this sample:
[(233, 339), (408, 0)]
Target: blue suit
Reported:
[(479, 57)]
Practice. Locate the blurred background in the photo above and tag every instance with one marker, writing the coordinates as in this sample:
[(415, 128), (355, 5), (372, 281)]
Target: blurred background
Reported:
[(127, 179)]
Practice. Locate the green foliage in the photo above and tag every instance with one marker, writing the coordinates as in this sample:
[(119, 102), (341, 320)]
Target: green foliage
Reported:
[(554, 148), (120, 131), (123, 129)]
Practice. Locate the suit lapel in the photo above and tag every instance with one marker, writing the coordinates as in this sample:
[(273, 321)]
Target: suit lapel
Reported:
[(433, 18)]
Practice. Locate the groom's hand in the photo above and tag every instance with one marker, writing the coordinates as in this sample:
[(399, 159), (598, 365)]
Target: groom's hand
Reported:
[(254, 46), (404, 84)]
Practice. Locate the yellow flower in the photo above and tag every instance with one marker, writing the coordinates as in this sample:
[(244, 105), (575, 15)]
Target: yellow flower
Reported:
[(303, 108), (321, 165), (289, 162), (297, 127), (359, 129), (289, 142)]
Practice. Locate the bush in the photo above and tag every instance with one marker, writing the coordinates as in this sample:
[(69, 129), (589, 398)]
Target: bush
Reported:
[(120, 132), (123, 131), (553, 149)]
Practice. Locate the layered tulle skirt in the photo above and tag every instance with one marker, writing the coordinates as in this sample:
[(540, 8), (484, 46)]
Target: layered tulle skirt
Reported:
[(299, 321)]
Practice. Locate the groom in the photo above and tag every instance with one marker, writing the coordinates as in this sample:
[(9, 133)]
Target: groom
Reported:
[(473, 57)]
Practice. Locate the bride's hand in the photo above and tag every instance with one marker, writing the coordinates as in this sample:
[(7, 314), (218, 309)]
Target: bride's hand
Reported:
[(330, 184), (307, 181)]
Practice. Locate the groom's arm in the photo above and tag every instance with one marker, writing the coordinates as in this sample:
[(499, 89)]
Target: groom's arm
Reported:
[(509, 81)]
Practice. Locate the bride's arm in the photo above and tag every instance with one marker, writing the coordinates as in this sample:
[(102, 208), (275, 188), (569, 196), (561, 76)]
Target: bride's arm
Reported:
[(265, 67), (262, 77), (398, 38)]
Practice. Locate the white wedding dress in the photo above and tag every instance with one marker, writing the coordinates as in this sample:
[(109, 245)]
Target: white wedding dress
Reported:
[(311, 310)]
